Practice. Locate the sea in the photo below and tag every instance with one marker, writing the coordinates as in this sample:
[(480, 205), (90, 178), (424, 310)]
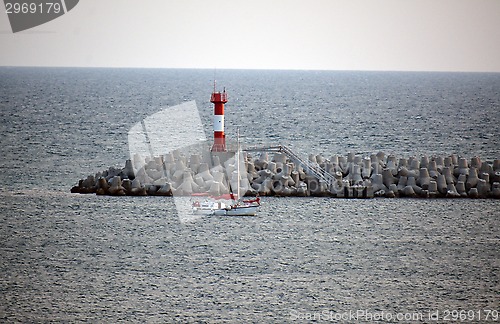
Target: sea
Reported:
[(84, 258)]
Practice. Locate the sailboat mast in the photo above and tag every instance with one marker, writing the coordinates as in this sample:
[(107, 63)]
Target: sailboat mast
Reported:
[(238, 161)]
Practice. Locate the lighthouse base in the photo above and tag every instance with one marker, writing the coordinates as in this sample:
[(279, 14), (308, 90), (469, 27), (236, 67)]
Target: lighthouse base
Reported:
[(220, 147)]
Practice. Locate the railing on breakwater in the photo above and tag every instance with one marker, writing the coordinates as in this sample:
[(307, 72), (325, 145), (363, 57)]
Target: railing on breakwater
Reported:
[(311, 168)]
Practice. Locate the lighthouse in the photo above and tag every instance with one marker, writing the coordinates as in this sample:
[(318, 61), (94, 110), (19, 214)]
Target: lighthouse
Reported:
[(219, 99)]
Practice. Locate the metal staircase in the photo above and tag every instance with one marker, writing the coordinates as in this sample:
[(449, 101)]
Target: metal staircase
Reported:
[(310, 168)]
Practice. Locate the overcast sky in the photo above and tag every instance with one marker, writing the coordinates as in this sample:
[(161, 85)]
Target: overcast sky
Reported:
[(429, 35)]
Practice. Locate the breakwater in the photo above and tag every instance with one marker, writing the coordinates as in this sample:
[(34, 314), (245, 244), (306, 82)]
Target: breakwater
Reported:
[(280, 172)]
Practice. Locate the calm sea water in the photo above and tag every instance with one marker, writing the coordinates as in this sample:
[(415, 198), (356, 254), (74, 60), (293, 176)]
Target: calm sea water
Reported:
[(73, 258)]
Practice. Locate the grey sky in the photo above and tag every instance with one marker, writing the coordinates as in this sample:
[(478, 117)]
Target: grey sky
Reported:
[(431, 35)]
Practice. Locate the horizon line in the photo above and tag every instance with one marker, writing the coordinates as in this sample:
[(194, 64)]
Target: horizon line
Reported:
[(244, 69)]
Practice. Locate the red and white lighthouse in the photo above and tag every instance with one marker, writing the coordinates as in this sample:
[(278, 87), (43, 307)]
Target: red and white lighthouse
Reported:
[(219, 99)]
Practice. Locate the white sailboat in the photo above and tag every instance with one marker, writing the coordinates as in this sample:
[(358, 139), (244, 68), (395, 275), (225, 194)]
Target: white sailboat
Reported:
[(239, 207)]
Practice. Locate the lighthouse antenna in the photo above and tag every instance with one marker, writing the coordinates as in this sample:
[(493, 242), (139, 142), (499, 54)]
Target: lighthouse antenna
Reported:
[(215, 81)]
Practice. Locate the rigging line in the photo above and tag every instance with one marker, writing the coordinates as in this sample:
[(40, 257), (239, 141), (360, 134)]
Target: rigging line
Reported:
[(150, 148)]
